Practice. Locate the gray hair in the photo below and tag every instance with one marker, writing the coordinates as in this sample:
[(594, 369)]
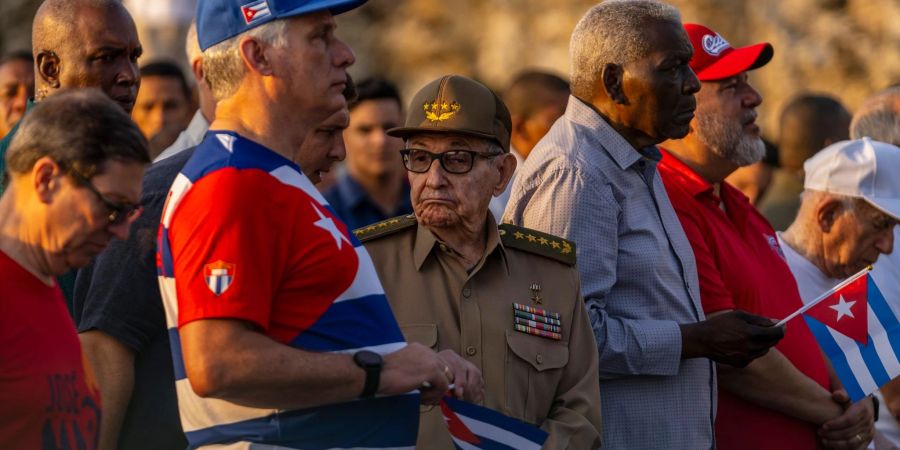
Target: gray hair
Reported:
[(223, 67), (812, 197), (612, 32), (879, 118)]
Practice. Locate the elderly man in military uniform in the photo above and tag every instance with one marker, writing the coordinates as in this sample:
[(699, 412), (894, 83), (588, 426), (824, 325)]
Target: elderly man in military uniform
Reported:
[(506, 298)]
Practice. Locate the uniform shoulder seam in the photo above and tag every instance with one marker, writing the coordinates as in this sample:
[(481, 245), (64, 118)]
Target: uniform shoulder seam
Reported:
[(537, 242), (384, 228)]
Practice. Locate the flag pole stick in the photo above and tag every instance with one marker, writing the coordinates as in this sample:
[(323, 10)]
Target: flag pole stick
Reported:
[(827, 294)]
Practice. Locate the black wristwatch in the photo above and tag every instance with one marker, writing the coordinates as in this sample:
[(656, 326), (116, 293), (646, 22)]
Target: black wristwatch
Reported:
[(372, 363), (875, 406)]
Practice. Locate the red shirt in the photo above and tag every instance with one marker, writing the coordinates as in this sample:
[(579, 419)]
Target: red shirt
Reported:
[(46, 401), (741, 266)]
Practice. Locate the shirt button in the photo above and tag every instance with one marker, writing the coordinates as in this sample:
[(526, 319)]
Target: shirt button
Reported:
[(471, 351), (443, 248), (467, 292), (539, 358)]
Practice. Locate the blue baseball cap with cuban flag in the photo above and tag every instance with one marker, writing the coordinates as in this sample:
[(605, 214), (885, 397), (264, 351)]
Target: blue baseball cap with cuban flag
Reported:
[(219, 20)]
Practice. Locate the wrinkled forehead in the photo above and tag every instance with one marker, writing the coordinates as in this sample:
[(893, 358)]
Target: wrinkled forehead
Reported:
[(868, 211), (98, 27), (664, 39), (448, 141)]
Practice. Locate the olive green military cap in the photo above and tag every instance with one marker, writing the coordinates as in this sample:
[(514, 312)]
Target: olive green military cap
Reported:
[(456, 104)]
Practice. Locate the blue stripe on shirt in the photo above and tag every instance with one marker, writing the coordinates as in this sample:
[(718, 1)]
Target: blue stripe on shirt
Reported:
[(361, 322), (373, 423)]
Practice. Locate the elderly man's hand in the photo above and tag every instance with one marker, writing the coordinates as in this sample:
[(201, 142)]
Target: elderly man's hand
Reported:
[(735, 338), (468, 384), (853, 429), (415, 367)]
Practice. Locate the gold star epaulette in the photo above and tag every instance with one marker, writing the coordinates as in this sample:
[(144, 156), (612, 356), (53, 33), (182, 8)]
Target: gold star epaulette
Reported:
[(385, 227), (533, 241)]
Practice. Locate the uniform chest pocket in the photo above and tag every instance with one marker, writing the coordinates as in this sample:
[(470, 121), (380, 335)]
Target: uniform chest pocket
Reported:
[(422, 333), (425, 334), (534, 366)]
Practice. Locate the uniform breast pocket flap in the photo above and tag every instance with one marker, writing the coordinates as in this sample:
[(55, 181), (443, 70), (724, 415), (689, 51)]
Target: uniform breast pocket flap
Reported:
[(422, 333), (542, 353)]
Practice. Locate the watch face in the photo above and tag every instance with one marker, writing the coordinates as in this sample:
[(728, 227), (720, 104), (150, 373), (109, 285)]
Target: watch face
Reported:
[(367, 359)]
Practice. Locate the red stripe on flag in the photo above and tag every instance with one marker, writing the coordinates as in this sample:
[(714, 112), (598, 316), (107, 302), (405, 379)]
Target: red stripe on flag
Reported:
[(846, 311), (457, 428)]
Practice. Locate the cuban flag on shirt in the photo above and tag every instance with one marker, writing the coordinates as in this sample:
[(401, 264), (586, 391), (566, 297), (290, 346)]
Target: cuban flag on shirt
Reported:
[(475, 427), (860, 334), (245, 235)]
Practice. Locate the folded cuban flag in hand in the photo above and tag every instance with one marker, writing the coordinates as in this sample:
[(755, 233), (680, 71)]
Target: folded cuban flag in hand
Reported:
[(859, 332), (475, 427)]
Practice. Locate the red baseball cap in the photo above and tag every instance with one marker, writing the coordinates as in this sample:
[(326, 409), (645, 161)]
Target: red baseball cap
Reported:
[(714, 58)]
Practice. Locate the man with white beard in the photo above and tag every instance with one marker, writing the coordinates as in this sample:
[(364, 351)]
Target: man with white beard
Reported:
[(786, 395)]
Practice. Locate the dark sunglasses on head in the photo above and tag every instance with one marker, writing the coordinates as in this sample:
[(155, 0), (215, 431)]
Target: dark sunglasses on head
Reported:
[(455, 161), (118, 212)]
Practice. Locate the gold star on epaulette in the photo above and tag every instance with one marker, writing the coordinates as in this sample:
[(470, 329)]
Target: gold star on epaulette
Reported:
[(385, 228), (537, 242)]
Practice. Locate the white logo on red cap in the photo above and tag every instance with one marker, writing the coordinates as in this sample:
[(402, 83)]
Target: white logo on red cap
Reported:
[(714, 44), (256, 11)]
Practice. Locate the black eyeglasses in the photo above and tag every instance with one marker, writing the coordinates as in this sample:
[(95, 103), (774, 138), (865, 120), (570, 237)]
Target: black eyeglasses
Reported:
[(455, 161), (118, 212)]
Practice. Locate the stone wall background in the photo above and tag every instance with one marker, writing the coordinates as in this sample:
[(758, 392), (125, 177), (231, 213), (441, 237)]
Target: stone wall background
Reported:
[(847, 48)]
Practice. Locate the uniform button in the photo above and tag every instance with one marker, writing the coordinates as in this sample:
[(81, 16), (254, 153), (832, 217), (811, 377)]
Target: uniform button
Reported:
[(471, 351), (467, 292), (539, 358)]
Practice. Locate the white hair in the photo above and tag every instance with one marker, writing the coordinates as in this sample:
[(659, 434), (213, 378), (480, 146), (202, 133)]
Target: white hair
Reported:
[(612, 32), (879, 118), (191, 44), (223, 67)]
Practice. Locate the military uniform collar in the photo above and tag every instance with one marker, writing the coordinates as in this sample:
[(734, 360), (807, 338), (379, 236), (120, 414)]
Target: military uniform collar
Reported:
[(427, 242)]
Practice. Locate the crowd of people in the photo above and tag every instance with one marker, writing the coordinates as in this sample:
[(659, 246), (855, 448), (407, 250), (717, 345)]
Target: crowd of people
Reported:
[(266, 253)]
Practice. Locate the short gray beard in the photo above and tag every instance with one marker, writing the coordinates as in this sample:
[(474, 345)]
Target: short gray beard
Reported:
[(728, 140)]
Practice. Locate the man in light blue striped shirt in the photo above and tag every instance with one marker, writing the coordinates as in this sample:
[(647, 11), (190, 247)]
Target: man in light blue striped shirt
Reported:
[(593, 179)]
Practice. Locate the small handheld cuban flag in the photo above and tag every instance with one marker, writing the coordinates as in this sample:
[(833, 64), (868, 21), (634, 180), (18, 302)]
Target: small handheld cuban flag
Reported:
[(858, 331), (475, 427)]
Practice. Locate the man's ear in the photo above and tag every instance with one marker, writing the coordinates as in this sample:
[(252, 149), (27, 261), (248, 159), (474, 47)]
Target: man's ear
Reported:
[(48, 68), (827, 212), (611, 77), (253, 53), (506, 164), (46, 179)]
